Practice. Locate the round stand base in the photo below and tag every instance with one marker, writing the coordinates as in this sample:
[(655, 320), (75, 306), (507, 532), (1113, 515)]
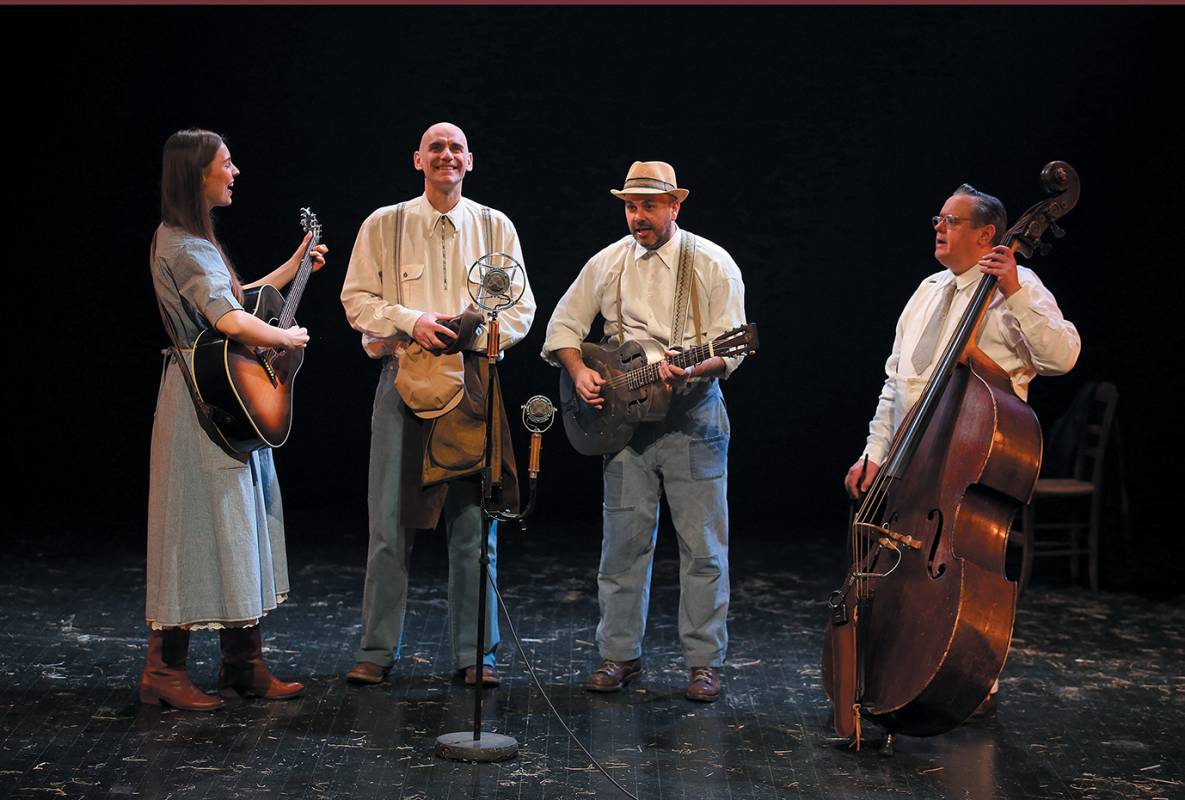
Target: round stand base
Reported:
[(461, 746)]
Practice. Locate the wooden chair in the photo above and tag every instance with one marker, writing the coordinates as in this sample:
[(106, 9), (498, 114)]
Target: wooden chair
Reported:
[(1079, 497)]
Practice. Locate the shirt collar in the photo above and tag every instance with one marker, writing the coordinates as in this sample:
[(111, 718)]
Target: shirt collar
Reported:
[(961, 282), (667, 254), (968, 278), (434, 216)]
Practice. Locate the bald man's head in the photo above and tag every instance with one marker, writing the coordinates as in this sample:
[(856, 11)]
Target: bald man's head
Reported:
[(443, 157), (445, 130)]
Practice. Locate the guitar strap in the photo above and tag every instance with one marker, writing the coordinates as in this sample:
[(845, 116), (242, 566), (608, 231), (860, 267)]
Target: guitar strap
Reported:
[(684, 280), (690, 268), (685, 295)]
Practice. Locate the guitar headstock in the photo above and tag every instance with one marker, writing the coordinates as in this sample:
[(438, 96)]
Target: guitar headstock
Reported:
[(308, 221), (737, 342)]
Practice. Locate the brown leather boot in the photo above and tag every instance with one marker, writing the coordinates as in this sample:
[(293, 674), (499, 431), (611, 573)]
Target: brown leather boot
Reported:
[(243, 671), (165, 681)]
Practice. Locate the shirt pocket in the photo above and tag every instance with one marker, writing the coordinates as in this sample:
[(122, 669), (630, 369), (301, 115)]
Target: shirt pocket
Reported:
[(411, 272), (411, 285), (708, 458), (613, 474)]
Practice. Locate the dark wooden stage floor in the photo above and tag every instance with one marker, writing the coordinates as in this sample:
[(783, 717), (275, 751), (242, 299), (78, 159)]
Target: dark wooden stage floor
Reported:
[(1091, 705)]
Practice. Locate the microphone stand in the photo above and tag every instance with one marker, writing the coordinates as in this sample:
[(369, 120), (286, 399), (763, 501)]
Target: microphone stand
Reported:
[(475, 745)]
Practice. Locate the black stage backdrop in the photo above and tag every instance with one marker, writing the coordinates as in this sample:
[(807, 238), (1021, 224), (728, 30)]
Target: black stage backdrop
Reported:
[(817, 143)]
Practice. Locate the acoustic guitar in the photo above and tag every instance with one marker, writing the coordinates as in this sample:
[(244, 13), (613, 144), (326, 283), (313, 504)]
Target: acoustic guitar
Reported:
[(632, 391), (250, 388)]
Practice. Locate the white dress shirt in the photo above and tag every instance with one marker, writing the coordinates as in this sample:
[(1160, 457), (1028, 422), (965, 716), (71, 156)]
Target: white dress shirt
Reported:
[(648, 296), (1025, 334), (435, 255)]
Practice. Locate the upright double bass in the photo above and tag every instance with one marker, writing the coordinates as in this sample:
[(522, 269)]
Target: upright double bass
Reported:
[(921, 627)]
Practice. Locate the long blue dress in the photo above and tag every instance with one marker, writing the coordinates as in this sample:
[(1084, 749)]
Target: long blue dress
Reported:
[(215, 524)]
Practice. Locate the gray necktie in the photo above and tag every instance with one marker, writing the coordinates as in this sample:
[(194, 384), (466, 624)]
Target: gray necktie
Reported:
[(923, 353)]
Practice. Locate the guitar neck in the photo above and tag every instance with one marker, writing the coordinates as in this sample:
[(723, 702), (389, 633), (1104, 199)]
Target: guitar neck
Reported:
[(649, 373), (296, 288)]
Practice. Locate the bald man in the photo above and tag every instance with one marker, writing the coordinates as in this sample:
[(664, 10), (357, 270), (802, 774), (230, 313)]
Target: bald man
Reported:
[(407, 277)]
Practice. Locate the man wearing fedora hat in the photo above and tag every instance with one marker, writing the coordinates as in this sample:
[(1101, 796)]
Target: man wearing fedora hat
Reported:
[(408, 278), (659, 282)]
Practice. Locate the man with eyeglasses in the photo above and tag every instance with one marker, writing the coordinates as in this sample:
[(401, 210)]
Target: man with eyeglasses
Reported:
[(1023, 331)]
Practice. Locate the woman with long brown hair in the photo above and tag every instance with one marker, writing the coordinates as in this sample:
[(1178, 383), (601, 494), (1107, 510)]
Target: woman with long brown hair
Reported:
[(216, 555)]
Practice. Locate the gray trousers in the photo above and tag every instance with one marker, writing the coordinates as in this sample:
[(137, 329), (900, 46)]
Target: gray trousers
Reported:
[(384, 594), (684, 457)]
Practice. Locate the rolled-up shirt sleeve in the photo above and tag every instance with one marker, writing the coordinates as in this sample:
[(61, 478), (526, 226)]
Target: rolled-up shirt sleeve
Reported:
[(204, 281)]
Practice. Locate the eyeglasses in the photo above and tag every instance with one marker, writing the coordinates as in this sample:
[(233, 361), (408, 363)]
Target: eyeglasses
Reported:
[(950, 219)]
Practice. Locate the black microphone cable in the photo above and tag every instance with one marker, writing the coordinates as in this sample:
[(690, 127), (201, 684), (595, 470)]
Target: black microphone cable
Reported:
[(538, 414), (531, 670)]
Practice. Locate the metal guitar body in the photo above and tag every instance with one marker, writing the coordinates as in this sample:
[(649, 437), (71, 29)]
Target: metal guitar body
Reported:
[(595, 431)]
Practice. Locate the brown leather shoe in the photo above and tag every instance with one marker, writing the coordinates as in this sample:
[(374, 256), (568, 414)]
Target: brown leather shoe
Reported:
[(612, 676), (243, 670), (489, 676), (164, 681), (704, 686), (367, 672)]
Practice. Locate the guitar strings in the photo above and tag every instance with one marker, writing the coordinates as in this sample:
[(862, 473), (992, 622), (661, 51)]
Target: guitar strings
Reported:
[(647, 374)]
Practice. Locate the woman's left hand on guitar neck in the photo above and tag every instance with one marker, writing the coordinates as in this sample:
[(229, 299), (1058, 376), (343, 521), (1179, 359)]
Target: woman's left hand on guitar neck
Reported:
[(282, 275)]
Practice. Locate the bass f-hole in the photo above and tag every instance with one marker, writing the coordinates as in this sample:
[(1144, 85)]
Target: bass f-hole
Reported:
[(935, 540)]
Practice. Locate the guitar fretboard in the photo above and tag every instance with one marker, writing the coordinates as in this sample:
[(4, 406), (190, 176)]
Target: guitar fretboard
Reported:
[(296, 288), (637, 378)]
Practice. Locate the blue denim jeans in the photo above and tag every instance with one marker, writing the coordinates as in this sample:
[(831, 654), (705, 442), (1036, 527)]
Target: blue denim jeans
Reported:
[(684, 457), (384, 593)]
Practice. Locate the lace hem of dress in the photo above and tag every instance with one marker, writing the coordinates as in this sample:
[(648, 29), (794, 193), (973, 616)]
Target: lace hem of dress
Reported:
[(217, 625)]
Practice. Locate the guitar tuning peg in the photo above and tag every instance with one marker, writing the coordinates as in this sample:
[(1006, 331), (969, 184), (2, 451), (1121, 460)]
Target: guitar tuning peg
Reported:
[(1057, 230), (1045, 248)]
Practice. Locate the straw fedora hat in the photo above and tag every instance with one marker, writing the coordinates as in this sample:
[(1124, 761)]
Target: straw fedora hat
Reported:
[(651, 177)]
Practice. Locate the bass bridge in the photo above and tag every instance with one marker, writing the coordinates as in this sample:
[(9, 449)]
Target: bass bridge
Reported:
[(889, 539)]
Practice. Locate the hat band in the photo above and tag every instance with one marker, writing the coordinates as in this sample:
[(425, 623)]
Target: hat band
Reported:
[(648, 183)]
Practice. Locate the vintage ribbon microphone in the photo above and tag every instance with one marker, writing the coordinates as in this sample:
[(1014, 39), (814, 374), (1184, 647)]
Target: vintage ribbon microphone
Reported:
[(496, 283), (538, 414)]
